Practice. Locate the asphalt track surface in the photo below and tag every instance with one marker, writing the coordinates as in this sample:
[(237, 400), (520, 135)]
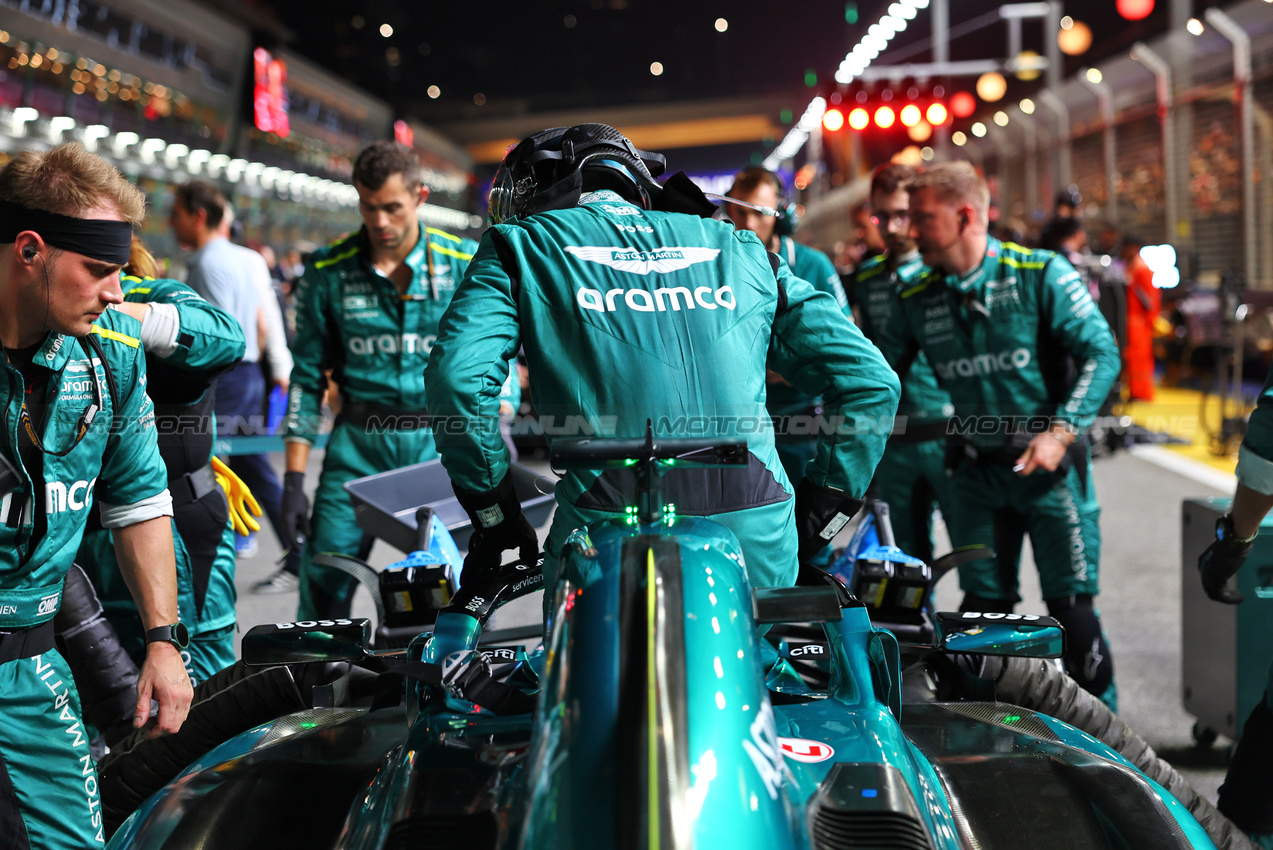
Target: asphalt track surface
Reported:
[(1139, 603)]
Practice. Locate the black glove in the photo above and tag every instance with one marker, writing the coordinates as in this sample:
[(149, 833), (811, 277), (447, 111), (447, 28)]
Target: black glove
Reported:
[(820, 513), (1221, 561), (294, 510), (498, 525)]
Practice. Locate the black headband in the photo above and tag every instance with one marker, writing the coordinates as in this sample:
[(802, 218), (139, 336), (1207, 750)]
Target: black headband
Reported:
[(108, 241)]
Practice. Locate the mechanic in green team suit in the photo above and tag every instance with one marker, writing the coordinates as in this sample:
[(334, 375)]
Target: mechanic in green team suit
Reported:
[(367, 309), (187, 343), (1016, 339), (760, 187), (911, 476), (79, 434), (632, 303), (1246, 797)]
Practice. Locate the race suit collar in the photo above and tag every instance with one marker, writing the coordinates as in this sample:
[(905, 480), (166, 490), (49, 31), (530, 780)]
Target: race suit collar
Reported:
[(970, 281), (606, 196), (55, 351)]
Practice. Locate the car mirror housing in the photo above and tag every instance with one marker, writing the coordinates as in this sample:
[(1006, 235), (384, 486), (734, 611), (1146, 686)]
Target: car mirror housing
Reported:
[(307, 641), (1021, 635)]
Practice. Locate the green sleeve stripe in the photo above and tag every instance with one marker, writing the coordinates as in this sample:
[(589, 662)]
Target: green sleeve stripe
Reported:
[(917, 288), (331, 261), (451, 253), (115, 336), (1022, 264), (433, 231)]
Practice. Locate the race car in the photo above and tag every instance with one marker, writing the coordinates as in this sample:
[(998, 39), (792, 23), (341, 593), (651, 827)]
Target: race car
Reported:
[(670, 706)]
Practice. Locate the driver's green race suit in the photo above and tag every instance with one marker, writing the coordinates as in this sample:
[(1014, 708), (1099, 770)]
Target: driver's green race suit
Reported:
[(1000, 339), (49, 796), (351, 319), (911, 476), (179, 372), (792, 410), (628, 315)]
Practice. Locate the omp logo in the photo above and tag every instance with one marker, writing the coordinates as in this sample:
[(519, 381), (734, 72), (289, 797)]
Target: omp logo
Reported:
[(48, 604), (58, 497), (662, 260), (644, 301), (391, 344), (984, 364)]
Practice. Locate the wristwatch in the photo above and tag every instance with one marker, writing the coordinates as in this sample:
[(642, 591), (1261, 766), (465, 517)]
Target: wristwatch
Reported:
[(1224, 529), (175, 634)]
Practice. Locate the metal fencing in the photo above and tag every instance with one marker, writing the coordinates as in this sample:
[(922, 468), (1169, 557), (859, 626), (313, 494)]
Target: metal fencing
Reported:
[(1173, 143)]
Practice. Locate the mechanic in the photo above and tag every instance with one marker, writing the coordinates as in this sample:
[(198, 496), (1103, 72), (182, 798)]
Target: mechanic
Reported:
[(760, 187), (1246, 797), (367, 308), (633, 304), (911, 476), (1000, 324), (78, 429), (188, 342)]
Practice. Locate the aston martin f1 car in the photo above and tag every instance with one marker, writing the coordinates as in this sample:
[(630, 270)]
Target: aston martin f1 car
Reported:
[(671, 705)]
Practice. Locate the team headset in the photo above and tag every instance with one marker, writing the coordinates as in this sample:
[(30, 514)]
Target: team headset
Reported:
[(786, 219)]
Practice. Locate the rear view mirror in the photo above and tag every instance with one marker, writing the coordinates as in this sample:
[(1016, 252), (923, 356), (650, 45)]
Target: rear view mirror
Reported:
[(1022, 635), (272, 644)]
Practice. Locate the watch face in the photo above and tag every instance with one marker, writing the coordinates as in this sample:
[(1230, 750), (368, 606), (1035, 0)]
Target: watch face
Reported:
[(181, 635)]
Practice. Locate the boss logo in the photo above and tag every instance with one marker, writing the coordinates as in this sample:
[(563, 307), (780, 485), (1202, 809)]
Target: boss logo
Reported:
[(313, 624)]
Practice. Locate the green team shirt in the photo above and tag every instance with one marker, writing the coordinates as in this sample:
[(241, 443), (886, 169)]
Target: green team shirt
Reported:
[(209, 341), (351, 319), (117, 464), (1000, 337), (627, 315), (876, 290), (808, 264)]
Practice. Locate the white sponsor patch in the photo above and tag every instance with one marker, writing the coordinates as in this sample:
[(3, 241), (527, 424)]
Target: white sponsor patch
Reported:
[(660, 260), (805, 750)]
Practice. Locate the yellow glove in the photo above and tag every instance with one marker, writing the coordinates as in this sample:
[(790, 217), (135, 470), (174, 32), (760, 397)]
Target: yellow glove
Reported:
[(243, 505)]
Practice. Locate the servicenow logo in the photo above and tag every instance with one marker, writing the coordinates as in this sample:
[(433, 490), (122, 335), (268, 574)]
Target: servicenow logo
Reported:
[(660, 300), (984, 364)]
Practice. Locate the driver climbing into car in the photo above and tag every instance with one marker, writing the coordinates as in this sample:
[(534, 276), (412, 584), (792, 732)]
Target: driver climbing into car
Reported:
[(632, 304), (79, 430)]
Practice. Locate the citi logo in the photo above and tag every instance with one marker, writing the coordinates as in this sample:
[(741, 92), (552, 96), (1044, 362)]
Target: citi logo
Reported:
[(58, 497), (984, 364), (658, 301)]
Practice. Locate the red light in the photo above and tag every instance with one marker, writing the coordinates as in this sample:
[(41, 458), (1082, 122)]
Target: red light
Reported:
[(937, 114), (910, 115), (859, 118), (1134, 10), (833, 119), (884, 117), (962, 104)]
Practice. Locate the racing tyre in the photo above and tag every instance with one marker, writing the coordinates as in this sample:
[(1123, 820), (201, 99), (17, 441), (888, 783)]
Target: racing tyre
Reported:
[(1037, 684), (229, 703)]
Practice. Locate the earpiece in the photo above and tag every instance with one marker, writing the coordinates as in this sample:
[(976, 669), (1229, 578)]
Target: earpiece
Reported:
[(29, 253)]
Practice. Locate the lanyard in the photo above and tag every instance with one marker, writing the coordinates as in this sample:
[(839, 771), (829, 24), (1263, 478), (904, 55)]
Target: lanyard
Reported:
[(85, 420)]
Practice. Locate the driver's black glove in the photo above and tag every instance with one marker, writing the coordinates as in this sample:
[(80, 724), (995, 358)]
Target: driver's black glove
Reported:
[(498, 525), (294, 510), (820, 513), (1220, 561)]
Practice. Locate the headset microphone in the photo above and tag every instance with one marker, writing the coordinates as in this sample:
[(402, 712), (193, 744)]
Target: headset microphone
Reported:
[(756, 207)]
